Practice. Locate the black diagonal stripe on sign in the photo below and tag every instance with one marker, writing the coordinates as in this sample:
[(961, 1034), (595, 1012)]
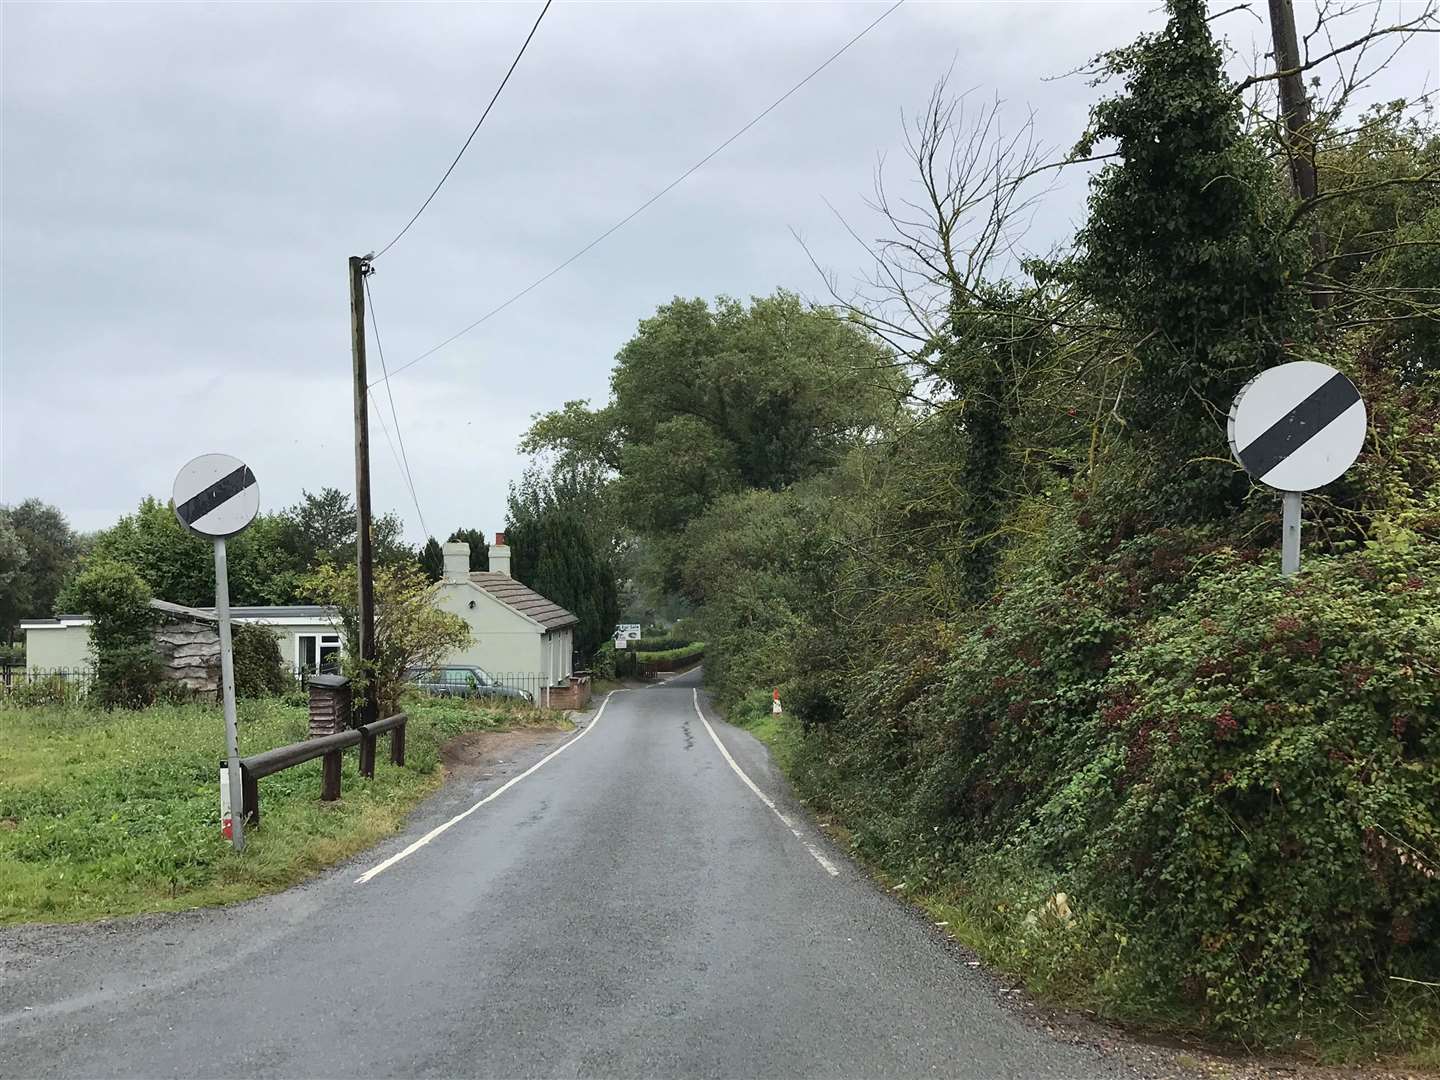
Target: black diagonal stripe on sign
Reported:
[(224, 489), (1299, 425)]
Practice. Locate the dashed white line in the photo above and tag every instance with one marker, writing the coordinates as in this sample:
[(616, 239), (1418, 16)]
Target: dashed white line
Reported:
[(380, 868), (830, 867)]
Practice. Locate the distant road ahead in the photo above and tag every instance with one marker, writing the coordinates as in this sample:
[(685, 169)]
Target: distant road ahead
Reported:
[(632, 908)]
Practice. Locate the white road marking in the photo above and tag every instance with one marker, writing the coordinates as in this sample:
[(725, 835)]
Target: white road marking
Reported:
[(380, 868), (830, 867), (677, 675)]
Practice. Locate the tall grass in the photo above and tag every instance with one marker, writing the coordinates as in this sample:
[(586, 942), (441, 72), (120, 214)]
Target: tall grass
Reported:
[(113, 813)]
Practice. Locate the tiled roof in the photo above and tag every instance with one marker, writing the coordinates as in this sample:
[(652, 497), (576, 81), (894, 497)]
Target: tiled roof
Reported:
[(526, 601)]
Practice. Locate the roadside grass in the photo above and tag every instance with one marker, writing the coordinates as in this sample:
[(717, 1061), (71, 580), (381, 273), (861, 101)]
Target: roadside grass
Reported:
[(116, 813), (1082, 967), (755, 713)]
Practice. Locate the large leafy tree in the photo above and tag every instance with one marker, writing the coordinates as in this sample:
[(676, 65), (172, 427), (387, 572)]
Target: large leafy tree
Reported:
[(755, 396), (714, 399), (320, 528), (12, 566), (50, 548), (269, 562)]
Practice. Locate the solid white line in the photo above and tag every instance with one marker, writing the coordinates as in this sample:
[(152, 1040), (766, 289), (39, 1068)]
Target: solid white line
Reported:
[(380, 868), (679, 674), (830, 867)]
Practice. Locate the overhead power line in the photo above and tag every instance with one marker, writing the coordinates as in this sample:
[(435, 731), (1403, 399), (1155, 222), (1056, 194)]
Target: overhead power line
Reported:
[(494, 98), (648, 202), (394, 416)]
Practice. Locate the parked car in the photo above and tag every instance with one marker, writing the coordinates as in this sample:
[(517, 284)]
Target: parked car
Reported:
[(462, 682)]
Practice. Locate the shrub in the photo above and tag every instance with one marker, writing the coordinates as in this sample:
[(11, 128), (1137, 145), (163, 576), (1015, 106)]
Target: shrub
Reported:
[(1234, 776), (1264, 804), (259, 670), (661, 644), (613, 663), (44, 690), (127, 667), (411, 631)]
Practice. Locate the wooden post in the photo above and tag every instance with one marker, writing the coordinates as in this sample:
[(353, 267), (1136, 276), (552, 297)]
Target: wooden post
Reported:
[(330, 777), (367, 754), (359, 267), (251, 785), (397, 745)]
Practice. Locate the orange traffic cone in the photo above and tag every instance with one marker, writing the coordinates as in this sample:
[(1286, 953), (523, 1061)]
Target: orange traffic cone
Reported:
[(775, 708)]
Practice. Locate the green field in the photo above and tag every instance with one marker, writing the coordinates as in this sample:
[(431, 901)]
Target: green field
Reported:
[(114, 813)]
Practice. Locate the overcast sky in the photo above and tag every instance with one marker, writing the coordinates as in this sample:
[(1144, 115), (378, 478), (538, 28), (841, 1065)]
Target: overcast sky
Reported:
[(183, 184)]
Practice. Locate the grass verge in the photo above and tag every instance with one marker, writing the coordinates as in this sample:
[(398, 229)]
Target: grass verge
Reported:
[(116, 813)]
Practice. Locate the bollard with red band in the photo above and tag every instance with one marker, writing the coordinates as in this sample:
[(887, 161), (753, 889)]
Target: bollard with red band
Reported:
[(227, 823), (775, 708)]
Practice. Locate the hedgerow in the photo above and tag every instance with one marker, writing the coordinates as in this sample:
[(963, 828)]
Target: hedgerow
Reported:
[(693, 651)]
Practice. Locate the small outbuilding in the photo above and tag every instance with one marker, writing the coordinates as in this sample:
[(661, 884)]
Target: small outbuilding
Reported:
[(308, 635)]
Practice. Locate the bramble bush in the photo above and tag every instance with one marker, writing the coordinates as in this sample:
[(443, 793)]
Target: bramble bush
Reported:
[(1234, 775), (1264, 804)]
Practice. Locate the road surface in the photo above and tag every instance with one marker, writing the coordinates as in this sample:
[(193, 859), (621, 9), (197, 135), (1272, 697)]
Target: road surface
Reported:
[(630, 908)]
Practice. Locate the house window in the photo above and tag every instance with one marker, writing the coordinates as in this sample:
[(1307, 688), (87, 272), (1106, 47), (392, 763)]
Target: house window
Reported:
[(316, 652)]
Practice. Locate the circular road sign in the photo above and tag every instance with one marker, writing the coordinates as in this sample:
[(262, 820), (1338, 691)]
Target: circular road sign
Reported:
[(1298, 426), (216, 495)]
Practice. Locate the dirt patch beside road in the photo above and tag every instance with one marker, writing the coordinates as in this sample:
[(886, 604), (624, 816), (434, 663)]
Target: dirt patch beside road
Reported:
[(477, 752)]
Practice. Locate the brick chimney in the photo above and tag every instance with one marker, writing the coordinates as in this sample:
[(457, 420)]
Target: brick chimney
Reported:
[(457, 562), (500, 556)]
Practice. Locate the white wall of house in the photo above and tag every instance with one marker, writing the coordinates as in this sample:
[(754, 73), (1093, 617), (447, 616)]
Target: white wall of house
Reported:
[(67, 644), (502, 640), (58, 646)]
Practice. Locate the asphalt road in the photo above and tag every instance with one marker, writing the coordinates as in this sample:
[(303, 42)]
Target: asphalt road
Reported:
[(631, 908)]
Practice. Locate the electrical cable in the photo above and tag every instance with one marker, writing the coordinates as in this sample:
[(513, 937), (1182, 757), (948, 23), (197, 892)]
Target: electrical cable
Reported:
[(648, 202), (494, 98)]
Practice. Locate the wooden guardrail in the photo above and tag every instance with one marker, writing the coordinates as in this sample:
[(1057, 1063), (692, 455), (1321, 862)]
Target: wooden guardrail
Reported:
[(368, 733), (328, 747)]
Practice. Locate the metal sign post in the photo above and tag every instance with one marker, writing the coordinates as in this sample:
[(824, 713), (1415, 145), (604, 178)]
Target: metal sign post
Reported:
[(227, 690), (1290, 535), (216, 496), (1297, 427)]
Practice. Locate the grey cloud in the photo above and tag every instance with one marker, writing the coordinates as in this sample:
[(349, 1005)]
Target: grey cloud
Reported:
[(183, 184)]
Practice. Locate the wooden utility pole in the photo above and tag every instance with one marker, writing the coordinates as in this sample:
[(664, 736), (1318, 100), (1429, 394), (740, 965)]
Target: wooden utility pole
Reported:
[(364, 567), (1295, 111)]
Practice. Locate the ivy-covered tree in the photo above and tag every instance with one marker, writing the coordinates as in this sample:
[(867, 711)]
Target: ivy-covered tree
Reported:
[(1186, 247)]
